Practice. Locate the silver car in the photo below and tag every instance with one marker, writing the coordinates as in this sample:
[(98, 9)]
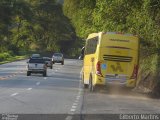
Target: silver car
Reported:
[(36, 65), (58, 58)]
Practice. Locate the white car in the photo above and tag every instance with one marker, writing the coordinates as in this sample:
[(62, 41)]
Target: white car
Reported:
[(58, 58), (36, 65)]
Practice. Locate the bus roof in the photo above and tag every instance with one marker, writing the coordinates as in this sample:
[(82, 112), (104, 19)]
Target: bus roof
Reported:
[(125, 34), (92, 35)]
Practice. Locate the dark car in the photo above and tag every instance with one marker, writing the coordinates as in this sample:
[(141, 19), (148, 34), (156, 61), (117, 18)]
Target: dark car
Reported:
[(35, 56), (48, 62)]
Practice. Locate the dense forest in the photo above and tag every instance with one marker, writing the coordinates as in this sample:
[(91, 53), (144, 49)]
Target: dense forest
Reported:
[(140, 17), (35, 25)]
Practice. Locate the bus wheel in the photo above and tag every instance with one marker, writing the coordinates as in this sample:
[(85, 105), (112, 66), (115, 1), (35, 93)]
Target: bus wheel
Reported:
[(91, 87), (85, 86)]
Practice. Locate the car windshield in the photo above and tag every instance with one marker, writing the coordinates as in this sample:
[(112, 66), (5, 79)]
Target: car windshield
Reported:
[(36, 61), (58, 55), (35, 55), (46, 58)]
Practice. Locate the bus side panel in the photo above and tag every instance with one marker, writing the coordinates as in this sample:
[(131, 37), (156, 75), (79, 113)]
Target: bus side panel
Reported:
[(90, 57), (87, 67)]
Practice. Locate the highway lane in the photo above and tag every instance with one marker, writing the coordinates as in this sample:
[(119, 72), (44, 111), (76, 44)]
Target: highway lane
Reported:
[(58, 93), (61, 92), (11, 69)]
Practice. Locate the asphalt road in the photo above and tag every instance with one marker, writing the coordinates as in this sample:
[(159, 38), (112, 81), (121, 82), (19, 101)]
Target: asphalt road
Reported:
[(60, 96)]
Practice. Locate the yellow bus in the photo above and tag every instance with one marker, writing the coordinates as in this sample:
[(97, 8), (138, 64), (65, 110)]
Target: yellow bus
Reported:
[(110, 58)]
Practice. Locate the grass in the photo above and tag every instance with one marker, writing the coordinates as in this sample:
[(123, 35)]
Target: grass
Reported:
[(11, 58), (150, 63)]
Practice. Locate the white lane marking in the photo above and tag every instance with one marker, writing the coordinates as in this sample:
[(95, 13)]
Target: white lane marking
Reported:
[(69, 118), (74, 107), (56, 70), (45, 78), (72, 110), (76, 101), (29, 88), (75, 104), (38, 83), (14, 94)]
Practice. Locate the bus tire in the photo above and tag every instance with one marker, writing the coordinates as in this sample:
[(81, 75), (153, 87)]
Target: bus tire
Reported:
[(85, 86)]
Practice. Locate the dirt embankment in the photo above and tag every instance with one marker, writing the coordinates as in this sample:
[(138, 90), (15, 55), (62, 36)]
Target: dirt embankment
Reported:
[(149, 75)]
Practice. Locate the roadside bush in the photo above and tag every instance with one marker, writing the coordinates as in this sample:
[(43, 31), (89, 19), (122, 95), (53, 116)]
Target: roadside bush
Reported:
[(5, 56)]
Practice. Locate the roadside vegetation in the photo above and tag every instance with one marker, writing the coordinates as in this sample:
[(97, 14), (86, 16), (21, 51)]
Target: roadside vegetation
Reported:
[(8, 57), (140, 17)]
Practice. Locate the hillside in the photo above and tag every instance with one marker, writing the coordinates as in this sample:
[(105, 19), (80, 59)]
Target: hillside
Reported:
[(35, 26)]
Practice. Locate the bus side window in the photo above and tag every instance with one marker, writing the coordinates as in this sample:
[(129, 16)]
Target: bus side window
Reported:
[(91, 45)]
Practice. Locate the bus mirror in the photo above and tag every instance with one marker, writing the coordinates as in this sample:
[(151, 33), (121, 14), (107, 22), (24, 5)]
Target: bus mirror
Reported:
[(81, 57), (82, 51), (82, 54)]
